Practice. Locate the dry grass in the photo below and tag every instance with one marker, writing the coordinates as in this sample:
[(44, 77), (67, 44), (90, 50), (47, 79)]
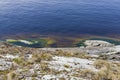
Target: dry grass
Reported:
[(44, 67), (13, 75), (82, 55), (42, 56), (62, 79), (18, 60), (4, 72), (63, 53), (71, 54), (106, 71), (101, 63), (108, 74), (88, 74)]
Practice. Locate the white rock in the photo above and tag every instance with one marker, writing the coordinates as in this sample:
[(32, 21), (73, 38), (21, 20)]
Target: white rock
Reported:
[(73, 63), (5, 65), (117, 48), (10, 56), (97, 43), (48, 77)]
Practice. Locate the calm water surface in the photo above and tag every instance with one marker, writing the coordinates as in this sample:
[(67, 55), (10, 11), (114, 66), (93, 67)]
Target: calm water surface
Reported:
[(95, 17)]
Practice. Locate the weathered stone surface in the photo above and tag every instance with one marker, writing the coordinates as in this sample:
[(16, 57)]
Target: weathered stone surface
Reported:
[(97, 43), (5, 65)]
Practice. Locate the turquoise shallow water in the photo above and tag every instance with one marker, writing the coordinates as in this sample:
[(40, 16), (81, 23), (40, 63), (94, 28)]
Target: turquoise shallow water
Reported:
[(96, 17)]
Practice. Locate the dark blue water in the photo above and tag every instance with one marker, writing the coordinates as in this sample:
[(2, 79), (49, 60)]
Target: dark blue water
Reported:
[(95, 17)]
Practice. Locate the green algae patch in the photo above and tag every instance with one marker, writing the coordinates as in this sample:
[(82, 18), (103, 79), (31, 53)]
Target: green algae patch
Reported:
[(80, 43), (35, 43), (10, 40)]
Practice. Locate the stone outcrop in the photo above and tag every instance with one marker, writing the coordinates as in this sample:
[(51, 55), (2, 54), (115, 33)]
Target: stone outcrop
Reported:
[(97, 43)]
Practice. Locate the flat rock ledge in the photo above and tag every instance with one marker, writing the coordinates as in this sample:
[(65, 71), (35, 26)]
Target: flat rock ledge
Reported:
[(97, 43)]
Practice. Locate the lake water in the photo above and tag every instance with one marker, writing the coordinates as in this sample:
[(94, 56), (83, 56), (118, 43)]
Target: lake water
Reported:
[(94, 17)]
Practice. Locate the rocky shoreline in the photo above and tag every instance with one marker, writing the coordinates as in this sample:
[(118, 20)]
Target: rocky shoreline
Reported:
[(97, 60)]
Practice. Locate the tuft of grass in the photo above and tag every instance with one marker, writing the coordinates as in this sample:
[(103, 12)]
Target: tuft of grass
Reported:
[(44, 67), (63, 53), (87, 73), (82, 55), (18, 60), (13, 75), (60, 52), (34, 75), (66, 66), (62, 78), (42, 56), (101, 63), (107, 70), (4, 72)]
